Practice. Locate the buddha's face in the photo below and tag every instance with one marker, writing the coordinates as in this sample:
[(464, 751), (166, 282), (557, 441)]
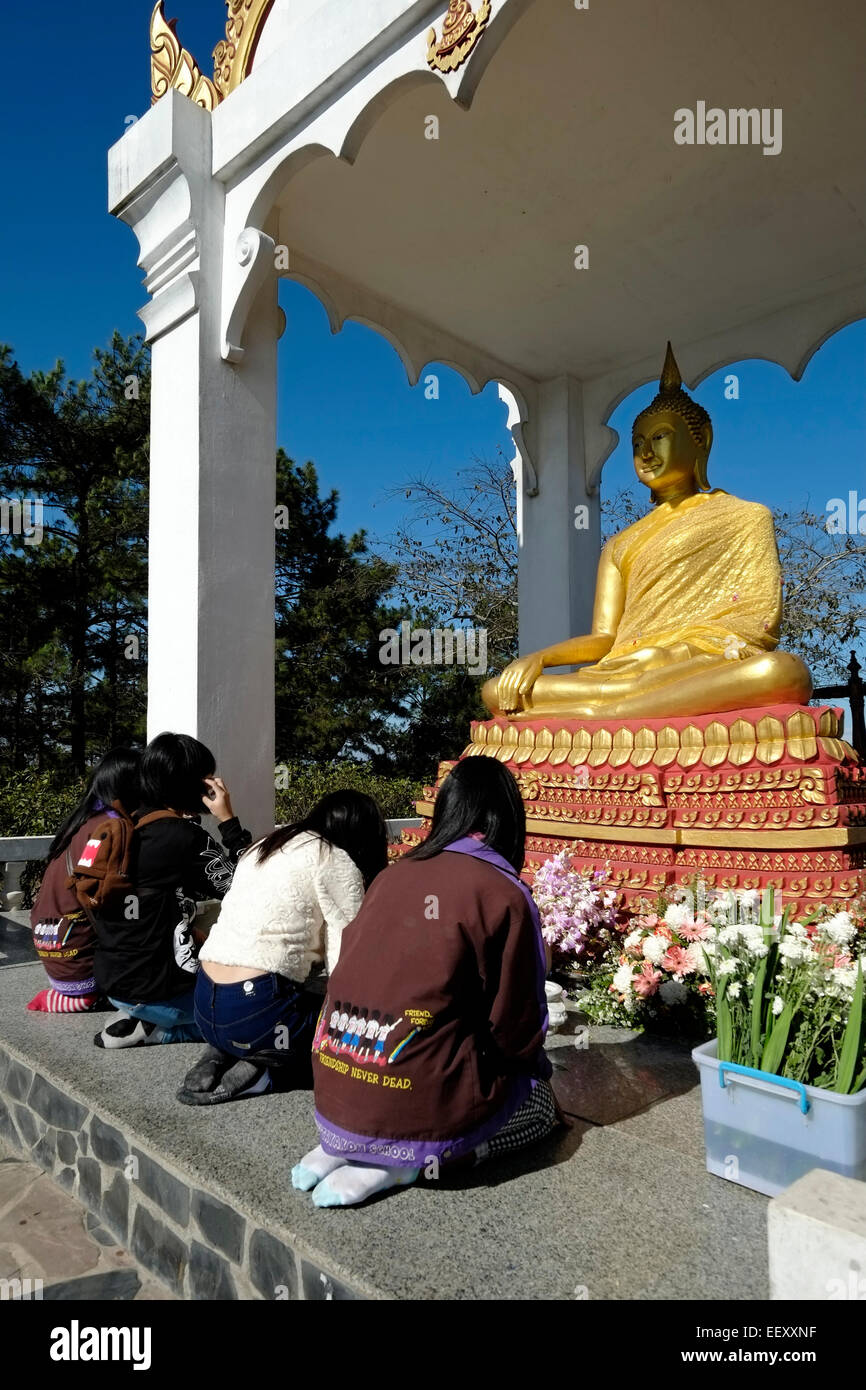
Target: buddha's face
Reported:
[(665, 454)]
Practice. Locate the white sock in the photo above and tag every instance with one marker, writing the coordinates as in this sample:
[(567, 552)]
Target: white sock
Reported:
[(353, 1183), (313, 1167)]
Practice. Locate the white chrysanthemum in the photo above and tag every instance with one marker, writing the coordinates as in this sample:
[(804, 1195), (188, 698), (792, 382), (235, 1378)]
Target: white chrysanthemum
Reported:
[(734, 989), (633, 940), (696, 953), (792, 951), (673, 991), (728, 967), (753, 941), (677, 915), (798, 930), (845, 977), (729, 936), (749, 897), (778, 1005), (654, 948), (622, 979), (839, 929), (710, 946)]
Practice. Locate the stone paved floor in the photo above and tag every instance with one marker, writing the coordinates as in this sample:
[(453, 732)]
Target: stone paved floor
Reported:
[(16, 943), (46, 1234)]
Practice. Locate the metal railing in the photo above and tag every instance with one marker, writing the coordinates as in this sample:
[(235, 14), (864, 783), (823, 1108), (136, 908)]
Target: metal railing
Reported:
[(854, 690)]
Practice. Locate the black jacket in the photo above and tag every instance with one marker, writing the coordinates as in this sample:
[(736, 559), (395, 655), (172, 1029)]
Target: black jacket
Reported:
[(146, 953)]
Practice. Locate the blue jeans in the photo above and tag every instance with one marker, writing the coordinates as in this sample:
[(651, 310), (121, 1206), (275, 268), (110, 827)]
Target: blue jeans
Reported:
[(269, 1018), (175, 1016)]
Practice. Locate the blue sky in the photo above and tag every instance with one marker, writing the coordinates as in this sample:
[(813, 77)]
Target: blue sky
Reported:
[(68, 278)]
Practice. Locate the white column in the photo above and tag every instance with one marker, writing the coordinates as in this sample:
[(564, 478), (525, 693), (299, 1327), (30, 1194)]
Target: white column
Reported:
[(558, 559), (213, 445)]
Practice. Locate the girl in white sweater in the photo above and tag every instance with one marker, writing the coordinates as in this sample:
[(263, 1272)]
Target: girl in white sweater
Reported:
[(263, 968)]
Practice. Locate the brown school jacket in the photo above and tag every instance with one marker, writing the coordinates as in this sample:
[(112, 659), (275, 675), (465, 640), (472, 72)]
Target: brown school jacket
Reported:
[(63, 936), (442, 972)]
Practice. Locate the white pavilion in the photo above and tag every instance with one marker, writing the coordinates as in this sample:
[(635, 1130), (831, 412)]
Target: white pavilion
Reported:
[(537, 192)]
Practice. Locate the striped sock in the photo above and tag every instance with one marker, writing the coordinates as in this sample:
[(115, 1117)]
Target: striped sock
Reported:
[(51, 1001)]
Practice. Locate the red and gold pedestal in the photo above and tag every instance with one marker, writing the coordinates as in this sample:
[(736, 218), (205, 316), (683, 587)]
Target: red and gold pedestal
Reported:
[(748, 799)]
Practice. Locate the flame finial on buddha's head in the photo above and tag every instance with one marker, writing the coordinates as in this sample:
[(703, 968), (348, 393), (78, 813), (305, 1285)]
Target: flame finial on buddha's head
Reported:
[(672, 396)]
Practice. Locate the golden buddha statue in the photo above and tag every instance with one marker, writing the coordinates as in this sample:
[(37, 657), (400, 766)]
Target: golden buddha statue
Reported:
[(688, 599)]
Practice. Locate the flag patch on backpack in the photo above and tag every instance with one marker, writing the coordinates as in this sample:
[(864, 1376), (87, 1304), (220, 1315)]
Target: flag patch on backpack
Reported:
[(89, 853)]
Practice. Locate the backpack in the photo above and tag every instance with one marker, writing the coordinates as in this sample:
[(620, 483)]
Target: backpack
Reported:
[(100, 880)]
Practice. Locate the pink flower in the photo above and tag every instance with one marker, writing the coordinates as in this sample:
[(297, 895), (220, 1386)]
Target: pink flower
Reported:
[(647, 980), (649, 921), (706, 988), (678, 961), (695, 931)]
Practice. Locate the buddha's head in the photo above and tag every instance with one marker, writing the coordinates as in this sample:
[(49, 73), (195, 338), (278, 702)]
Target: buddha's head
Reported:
[(671, 439)]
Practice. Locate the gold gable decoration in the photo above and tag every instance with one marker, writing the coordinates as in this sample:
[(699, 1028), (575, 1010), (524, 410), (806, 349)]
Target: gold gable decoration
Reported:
[(461, 31), (233, 55), (172, 65)]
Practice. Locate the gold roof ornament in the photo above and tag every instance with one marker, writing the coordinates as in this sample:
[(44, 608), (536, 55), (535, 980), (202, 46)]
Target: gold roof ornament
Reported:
[(233, 55), (172, 65), (461, 30)]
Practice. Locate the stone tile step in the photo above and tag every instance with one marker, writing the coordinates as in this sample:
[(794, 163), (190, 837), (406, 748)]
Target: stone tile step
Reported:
[(202, 1197)]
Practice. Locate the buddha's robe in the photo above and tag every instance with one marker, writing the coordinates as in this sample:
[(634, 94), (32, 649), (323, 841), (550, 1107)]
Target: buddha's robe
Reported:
[(701, 578)]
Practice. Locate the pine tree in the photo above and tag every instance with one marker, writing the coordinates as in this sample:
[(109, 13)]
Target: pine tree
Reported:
[(71, 678), (334, 697)]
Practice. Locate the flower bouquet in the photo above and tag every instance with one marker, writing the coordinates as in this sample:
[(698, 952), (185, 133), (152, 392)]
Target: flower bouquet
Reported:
[(578, 914), (789, 998), (783, 1084), (652, 972)]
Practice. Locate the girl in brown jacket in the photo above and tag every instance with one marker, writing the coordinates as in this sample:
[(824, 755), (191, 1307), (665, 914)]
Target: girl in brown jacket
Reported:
[(62, 934), (429, 1048)]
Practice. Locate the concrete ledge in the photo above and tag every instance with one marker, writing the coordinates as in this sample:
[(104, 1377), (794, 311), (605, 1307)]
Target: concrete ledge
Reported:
[(202, 1198), (816, 1231), (20, 849)]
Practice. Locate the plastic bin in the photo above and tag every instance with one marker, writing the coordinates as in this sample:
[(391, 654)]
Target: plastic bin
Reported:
[(764, 1131)]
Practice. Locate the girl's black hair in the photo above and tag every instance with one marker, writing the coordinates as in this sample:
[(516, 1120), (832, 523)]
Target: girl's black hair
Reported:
[(173, 769), (115, 778), (350, 820), (479, 794)]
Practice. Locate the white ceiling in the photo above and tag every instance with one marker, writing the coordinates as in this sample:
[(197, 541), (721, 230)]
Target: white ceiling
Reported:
[(570, 140)]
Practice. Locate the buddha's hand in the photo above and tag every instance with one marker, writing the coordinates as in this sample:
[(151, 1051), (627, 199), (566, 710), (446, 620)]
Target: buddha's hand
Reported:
[(516, 682)]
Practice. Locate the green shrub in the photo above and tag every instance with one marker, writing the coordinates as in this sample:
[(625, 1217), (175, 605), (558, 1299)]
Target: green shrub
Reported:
[(307, 783), (37, 803)]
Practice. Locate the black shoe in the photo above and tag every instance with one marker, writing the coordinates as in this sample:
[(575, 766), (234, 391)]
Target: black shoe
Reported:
[(203, 1077), (125, 1032), (242, 1078)]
